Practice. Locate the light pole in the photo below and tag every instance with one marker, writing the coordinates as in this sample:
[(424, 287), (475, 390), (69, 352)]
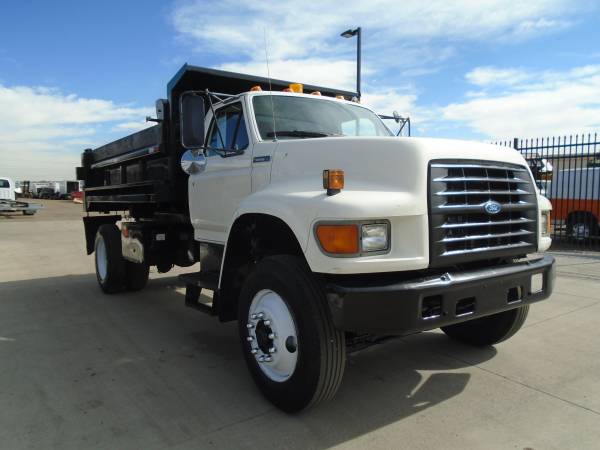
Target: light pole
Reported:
[(348, 34)]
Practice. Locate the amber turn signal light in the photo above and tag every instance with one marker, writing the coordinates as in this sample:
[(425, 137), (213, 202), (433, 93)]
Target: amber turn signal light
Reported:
[(338, 239), (333, 181)]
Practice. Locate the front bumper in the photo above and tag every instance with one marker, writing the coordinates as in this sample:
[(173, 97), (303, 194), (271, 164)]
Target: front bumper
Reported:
[(411, 306)]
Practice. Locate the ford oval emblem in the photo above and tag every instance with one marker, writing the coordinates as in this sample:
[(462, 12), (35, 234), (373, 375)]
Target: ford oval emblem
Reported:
[(492, 207)]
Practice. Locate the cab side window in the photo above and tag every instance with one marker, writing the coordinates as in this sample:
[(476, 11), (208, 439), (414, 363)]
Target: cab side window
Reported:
[(231, 133)]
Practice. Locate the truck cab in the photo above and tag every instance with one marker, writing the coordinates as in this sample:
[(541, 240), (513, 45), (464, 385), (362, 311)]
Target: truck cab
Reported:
[(7, 189), (315, 227)]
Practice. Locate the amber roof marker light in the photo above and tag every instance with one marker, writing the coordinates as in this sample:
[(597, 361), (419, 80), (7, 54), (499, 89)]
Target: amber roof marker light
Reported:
[(333, 181)]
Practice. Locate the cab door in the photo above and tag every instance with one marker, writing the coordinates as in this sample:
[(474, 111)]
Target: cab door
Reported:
[(217, 191)]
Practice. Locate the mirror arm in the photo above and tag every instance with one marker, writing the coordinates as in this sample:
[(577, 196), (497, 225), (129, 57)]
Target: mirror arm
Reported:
[(212, 109)]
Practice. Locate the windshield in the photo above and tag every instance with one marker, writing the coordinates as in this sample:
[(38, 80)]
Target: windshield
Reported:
[(300, 118)]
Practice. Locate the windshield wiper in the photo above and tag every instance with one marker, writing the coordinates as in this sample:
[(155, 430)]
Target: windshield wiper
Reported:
[(300, 134)]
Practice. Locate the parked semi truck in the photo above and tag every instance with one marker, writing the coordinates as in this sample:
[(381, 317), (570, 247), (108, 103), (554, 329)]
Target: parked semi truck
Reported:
[(315, 227)]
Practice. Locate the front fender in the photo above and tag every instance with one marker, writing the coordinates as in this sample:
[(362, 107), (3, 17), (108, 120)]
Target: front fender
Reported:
[(301, 208), (290, 202)]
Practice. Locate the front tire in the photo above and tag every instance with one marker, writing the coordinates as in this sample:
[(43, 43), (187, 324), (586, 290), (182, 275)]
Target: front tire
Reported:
[(489, 330), (293, 351), (110, 267)]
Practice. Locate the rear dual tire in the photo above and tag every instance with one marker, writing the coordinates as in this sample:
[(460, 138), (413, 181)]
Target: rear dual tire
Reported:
[(307, 364), (113, 272)]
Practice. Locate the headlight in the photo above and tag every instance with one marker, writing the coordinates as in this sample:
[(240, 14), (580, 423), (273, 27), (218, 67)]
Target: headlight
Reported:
[(545, 223), (353, 239), (374, 237)]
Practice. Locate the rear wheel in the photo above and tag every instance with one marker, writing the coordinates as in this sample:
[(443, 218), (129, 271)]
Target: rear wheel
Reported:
[(489, 330), (294, 353), (110, 267)]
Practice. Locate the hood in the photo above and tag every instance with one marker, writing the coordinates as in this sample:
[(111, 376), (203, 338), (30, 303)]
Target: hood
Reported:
[(378, 163)]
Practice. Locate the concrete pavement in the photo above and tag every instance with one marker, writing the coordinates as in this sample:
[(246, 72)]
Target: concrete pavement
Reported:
[(82, 370)]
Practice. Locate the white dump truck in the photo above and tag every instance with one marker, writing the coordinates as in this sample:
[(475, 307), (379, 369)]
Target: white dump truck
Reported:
[(315, 227)]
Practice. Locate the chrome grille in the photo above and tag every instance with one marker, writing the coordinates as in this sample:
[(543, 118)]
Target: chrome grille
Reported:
[(462, 230)]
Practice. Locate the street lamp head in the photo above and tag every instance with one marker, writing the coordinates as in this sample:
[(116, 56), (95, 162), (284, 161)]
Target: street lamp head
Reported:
[(349, 33)]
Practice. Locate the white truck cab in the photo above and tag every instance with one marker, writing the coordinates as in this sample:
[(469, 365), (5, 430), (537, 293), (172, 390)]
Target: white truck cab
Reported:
[(315, 227), (7, 189), (8, 202)]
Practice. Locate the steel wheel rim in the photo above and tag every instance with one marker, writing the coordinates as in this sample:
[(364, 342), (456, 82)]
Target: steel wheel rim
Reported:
[(101, 259), (272, 336)]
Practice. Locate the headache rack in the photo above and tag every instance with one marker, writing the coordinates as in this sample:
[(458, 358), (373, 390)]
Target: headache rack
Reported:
[(480, 210)]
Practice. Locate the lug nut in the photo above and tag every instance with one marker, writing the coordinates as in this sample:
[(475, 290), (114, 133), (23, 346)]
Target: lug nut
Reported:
[(249, 338), (261, 358), (267, 359), (254, 351), (249, 325), (271, 336), (260, 315), (272, 350), (253, 316), (267, 323)]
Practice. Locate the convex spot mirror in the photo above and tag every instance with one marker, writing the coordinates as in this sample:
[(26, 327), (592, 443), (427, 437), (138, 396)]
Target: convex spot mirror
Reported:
[(191, 117), (193, 162), (397, 116)]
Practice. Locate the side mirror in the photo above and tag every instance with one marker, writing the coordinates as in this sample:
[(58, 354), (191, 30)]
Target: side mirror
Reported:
[(191, 117), (193, 162), (397, 116)]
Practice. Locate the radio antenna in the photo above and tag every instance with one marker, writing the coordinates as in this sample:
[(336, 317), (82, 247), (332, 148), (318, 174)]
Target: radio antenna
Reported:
[(270, 87)]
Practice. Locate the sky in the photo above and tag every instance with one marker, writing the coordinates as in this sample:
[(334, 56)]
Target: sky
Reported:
[(79, 74)]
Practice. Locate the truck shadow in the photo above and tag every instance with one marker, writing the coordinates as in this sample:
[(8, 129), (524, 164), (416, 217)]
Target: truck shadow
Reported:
[(184, 371)]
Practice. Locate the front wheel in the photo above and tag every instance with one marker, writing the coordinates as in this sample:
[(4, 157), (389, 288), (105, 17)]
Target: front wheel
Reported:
[(294, 353), (489, 330)]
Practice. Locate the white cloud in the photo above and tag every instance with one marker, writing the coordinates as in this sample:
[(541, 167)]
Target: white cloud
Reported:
[(300, 29), (540, 104), (340, 74), (400, 39), (133, 126), (485, 76), (43, 131)]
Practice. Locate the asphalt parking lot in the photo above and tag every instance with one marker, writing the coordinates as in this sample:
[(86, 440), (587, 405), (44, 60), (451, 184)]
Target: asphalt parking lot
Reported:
[(82, 370)]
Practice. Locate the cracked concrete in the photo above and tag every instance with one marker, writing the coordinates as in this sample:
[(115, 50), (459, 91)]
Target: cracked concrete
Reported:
[(83, 370)]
